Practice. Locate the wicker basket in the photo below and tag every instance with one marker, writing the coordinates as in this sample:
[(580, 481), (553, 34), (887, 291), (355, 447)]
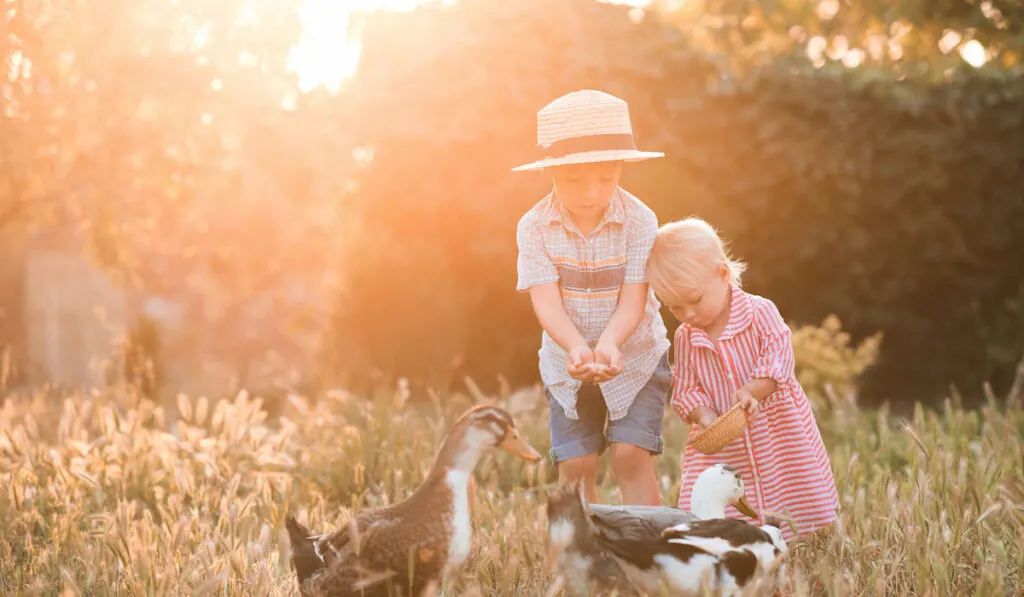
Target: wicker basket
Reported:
[(721, 432)]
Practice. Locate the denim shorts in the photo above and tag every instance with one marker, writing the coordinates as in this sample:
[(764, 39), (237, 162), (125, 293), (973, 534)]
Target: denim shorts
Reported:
[(593, 431)]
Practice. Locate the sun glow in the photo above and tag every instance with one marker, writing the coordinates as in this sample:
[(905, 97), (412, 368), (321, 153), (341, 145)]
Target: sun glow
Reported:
[(328, 51), (974, 53)]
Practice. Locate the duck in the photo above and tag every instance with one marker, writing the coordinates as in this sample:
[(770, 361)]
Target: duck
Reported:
[(417, 542), (585, 566), (717, 486), (580, 534), (727, 557)]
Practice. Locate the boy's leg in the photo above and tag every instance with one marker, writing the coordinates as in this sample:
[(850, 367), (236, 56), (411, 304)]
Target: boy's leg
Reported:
[(636, 437), (634, 471), (576, 445)]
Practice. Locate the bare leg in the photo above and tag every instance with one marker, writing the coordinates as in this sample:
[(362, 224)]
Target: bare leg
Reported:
[(584, 467), (634, 471)]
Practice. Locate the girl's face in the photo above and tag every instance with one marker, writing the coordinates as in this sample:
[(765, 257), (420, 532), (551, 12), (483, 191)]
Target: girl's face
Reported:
[(704, 306), (586, 189)]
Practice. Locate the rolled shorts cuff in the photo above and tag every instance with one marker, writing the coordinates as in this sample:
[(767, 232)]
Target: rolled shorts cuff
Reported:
[(577, 447), (626, 435)]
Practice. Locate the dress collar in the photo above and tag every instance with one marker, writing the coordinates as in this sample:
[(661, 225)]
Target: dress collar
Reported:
[(741, 315)]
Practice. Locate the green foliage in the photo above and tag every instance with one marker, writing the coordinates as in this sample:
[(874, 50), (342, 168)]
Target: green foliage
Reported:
[(890, 205), (827, 363), (98, 497), (919, 38)]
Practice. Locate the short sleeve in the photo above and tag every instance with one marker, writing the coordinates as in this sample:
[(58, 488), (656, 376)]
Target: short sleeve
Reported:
[(687, 393), (640, 233), (533, 265), (776, 358)]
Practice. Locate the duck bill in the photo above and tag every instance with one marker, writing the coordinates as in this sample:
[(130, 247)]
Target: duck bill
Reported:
[(513, 444), (745, 508)]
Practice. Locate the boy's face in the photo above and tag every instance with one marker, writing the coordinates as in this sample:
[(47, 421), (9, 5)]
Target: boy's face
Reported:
[(587, 189)]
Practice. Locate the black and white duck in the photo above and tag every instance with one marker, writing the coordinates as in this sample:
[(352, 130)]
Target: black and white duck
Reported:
[(727, 557), (716, 487), (586, 567), (581, 536), (411, 544)]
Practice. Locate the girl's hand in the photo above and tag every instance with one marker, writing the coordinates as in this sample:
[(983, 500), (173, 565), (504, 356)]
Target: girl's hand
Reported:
[(702, 416), (747, 402)]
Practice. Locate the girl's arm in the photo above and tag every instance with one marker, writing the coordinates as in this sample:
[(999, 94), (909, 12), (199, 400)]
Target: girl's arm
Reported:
[(689, 400), (751, 394), (761, 387), (775, 365)]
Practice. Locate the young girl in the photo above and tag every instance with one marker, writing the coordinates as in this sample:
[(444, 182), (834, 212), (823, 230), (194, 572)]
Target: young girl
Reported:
[(734, 347)]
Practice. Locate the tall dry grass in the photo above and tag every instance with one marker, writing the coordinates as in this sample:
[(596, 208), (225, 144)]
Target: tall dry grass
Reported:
[(99, 498)]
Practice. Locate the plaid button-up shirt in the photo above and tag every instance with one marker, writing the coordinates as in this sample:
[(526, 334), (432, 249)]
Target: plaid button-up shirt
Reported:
[(590, 271)]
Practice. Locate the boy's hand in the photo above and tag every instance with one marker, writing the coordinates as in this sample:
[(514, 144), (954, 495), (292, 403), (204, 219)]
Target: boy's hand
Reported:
[(609, 355), (581, 362), (747, 401)]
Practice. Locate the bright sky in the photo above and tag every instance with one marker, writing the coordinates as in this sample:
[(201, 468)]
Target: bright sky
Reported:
[(324, 57)]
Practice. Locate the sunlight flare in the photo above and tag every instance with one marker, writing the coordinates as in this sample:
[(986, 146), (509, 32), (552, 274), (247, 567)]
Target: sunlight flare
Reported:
[(328, 52), (973, 53), (329, 48)]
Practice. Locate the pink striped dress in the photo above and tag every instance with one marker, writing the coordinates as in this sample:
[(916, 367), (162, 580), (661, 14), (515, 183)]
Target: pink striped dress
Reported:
[(781, 456)]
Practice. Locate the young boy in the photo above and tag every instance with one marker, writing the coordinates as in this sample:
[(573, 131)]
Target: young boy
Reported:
[(583, 258)]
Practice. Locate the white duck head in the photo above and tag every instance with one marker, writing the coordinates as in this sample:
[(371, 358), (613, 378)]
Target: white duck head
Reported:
[(716, 487)]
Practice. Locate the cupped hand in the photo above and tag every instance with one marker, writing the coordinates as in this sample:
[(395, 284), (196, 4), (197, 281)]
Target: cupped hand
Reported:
[(609, 355), (580, 363)]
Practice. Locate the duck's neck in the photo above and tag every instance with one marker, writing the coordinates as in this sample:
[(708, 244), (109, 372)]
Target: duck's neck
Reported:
[(460, 451), (461, 541), (706, 508), (455, 463)]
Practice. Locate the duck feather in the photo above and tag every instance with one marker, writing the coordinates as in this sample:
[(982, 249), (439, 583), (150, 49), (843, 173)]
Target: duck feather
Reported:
[(637, 522)]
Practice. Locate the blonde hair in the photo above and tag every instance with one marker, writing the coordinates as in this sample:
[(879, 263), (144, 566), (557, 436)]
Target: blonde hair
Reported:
[(684, 254)]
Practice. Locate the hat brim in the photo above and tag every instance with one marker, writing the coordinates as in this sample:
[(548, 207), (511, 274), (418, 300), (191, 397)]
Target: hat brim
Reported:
[(608, 155)]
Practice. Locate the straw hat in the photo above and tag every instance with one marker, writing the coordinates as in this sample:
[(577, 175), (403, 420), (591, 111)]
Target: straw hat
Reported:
[(585, 126)]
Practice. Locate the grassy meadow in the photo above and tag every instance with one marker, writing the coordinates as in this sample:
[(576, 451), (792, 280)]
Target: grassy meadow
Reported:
[(102, 498)]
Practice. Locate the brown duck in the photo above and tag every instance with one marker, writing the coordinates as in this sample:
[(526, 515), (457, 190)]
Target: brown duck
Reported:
[(403, 548)]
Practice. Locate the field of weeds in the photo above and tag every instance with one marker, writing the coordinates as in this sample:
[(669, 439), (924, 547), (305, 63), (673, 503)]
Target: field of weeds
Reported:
[(101, 495)]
